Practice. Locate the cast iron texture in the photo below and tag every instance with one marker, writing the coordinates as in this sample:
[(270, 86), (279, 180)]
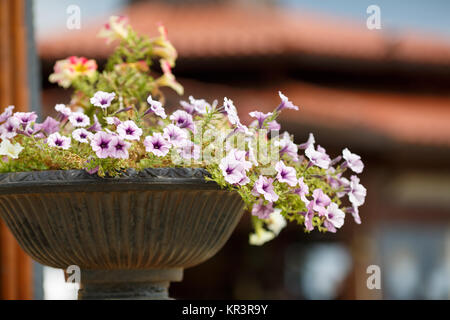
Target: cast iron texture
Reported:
[(155, 219)]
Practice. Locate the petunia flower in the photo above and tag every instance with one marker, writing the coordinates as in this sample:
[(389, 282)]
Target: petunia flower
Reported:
[(8, 130), (353, 161), (128, 130), (157, 145), (189, 150), (182, 119), (58, 141), (264, 187), (79, 119), (260, 237), (102, 99), (309, 215), (175, 135), (6, 114), (10, 150), (276, 222), (25, 118), (232, 170), (115, 29), (201, 106), (96, 126), (82, 135), (101, 144), (358, 192), (260, 117), (239, 155), (64, 111), (308, 143), (67, 70), (119, 148), (168, 79), (113, 120), (354, 210), (318, 157), (273, 125), (334, 217), (287, 146), (285, 103), (49, 126), (286, 174), (302, 190), (231, 111), (320, 201), (156, 107), (261, 210)]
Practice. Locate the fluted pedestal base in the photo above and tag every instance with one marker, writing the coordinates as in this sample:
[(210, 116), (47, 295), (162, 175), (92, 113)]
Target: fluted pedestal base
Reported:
[(127, 284)]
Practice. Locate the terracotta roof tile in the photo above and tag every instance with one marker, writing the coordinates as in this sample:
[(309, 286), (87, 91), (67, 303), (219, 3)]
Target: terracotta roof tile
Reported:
[(230, 30)]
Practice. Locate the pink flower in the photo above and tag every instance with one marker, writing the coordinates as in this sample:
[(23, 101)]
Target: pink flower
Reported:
[(308, 143), (334, 217), (63, 110), (8, 129), (102, 99), (264, 187), (232, 170), (157, 145), (156, 107), (358, 192), (355, 213), (319, 158), (82, 135), (285, 103), (101, 144), (320, 201), (79, 119), (353, 161), (67, 70), (115, 29), (287, 146), (119, 148), (286, 174), (96, 126), (302, 191), (168, 79), (49, 126), (174, 134), (6, 114), (182, 119), (309, 215), (262, 211), (58, 141), (25, 118), (273, 125), (128, 130)]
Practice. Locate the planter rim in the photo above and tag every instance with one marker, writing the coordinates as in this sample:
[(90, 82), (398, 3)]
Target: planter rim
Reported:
[(72, 180)]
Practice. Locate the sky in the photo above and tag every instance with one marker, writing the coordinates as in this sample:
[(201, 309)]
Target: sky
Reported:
[(430, 16)]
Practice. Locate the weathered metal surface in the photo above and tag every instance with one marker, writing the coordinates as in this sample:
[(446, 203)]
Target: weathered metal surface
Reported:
[(156, 219)]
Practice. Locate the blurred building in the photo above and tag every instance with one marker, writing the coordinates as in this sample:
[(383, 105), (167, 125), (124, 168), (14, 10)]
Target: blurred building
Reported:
[(384, 95)]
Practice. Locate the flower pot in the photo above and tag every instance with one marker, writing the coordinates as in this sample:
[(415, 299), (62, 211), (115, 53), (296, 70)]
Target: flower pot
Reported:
[(130, 236)]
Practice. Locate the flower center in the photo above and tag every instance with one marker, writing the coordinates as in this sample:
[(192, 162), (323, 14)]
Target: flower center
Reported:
[(104, 144), (58, 142), (129, 131)]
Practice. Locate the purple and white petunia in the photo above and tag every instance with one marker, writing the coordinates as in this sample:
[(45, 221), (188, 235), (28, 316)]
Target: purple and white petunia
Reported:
[(273, 125), (103, 99), (82, 135), (287, 146), (175, 135), (182, 119), (318, 157), (239, 155), (157, 145), (285, 103), (233, 171), (334, 217), (64, 111), (96, 126), (156, 107), (286, 174), (119, 148), (113, 121), (231, 111), (263, 186), (58, 141), (260, 117), (302, 190), (79, 119), (49, 126), (308, 143), (25, 118), (261, 210), (6, 114), (358, 192), (101, 144), (128, 130), (353, 161), (8, 129), (320, 201)]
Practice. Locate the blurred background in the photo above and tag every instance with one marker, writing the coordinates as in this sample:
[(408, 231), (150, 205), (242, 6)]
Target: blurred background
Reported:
[(384, 93)]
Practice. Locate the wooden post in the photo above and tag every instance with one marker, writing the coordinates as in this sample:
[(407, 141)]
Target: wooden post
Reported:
[(15, 266)]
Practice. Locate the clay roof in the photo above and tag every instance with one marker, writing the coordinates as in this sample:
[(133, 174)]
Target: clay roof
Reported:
[(401, 117), (231, 30)]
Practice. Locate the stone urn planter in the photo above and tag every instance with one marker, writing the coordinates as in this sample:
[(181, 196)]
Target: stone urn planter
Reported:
[(131, 236)]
